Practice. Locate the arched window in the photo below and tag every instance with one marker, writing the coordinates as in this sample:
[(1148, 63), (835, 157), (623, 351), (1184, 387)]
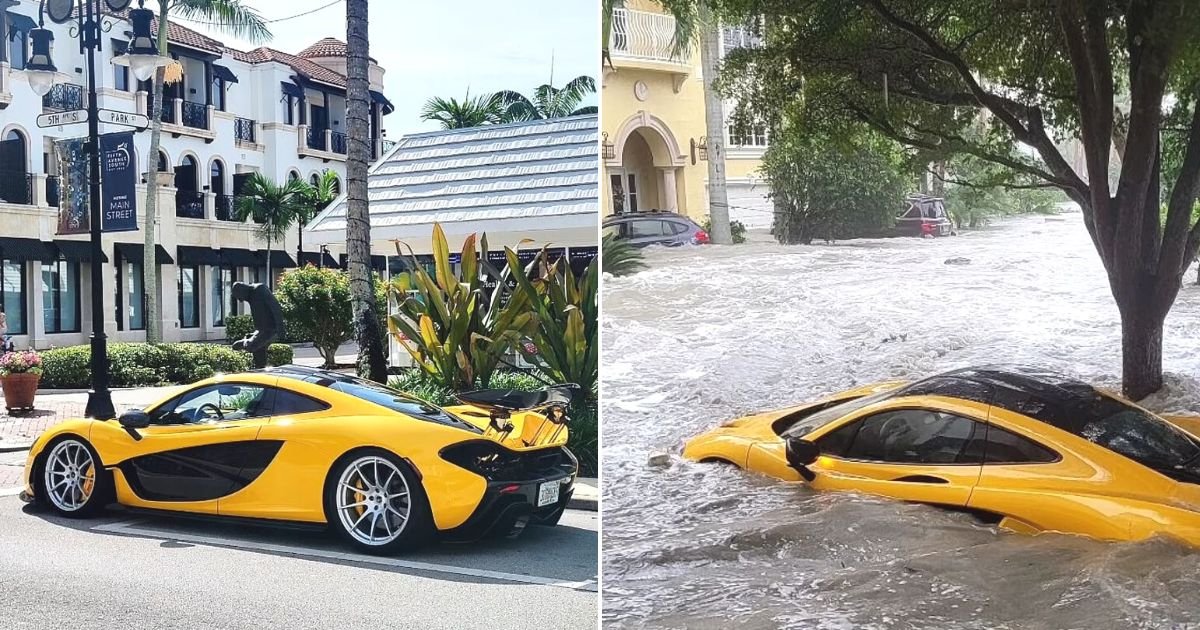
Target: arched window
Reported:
[(14, 164), (315, 180), (187, 175), (293, 175), (163, 162), (216, 177)]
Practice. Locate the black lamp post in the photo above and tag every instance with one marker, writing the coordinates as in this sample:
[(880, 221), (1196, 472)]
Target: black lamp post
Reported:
[(143, 60)]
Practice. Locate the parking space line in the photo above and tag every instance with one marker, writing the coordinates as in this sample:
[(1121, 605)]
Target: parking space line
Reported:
[(10, 492), (131, 528)]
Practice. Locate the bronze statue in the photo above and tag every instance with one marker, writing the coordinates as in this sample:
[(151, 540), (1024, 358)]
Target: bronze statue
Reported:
[(268, 320)]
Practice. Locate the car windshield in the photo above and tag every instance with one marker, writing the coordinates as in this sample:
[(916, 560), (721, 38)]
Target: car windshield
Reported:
[(810, 423), (396, 400), (1142, 437)]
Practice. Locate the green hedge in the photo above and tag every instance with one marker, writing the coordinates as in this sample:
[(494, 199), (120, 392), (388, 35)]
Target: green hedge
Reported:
[(584, 419), (238, 327), (279, 354), (140, 364)]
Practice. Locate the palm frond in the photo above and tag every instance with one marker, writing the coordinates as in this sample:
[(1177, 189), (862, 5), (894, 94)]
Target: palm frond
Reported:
[(228, 16), (687, 25), (618, 257)]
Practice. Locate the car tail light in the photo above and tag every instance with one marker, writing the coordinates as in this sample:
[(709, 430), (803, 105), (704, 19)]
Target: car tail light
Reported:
[(700, 237), (927, 228)]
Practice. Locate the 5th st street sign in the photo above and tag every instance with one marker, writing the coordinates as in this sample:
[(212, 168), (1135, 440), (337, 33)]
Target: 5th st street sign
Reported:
[(58, 119)]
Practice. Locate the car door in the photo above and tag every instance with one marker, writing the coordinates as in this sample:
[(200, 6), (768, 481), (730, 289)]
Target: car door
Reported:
[(912, 454), (195, 449), (643, 232)]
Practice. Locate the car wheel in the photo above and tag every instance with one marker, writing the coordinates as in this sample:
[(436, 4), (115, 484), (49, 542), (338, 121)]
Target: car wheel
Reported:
[(375, 501), (71, 481)]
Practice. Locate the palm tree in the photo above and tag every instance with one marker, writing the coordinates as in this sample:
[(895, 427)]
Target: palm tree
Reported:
[(485, 109), (315, 199), (232, 17), (358, 221), (548, 101), (273, 208), (694, 19)]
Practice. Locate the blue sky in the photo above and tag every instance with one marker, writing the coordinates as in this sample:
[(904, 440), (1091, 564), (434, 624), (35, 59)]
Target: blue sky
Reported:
[(443, 48)]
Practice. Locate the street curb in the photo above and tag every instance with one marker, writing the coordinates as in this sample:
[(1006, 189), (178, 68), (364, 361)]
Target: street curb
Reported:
[(591, 505), (9, 447)]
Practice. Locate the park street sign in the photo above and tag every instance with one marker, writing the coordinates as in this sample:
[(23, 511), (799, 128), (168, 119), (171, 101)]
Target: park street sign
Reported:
[(58, 119), (137, 121)]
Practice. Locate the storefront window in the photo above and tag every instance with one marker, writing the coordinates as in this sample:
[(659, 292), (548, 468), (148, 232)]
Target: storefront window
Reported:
[(135, 296), (219, 293), (189, 297), (12, 289), (60, 296)]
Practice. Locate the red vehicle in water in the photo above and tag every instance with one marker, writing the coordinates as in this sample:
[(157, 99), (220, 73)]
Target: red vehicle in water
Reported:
[(925, 216)]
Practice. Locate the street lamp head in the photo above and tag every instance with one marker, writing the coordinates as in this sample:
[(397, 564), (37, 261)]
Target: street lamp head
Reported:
[(142, 54), (40, 68)]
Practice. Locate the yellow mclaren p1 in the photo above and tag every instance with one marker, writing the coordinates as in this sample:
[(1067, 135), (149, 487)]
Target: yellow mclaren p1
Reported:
[(383, 469), (1025, 448)]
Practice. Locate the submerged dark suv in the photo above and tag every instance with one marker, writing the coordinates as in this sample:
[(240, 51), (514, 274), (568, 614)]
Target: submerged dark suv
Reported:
[(923, 215), (655, 227)]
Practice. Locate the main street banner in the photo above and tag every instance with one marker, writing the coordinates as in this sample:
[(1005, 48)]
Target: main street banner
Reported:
[(118, 205)]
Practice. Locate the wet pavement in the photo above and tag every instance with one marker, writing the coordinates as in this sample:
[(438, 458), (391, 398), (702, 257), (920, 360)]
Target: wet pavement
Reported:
[(713, 333)]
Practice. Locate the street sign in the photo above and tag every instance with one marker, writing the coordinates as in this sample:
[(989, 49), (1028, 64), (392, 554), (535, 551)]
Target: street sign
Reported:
[(137, 121), (57, 119)]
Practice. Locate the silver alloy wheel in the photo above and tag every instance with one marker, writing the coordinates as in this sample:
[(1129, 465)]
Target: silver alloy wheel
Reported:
[(372, 500), (70, 475)]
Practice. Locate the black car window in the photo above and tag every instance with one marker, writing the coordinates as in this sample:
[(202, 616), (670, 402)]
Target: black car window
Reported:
[(677, 227), (393, 399), (646, 228), (216, 403), (912, 436), (293, 404), (1005, 447)]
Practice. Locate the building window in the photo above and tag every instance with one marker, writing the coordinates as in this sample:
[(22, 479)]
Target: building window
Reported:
[(135, 295), (18, 49), (120, 73), (289, 109), (60, 296), (747, 134), (218, 91), (220, 297), (12, 289), (189, 296), (745, 36)]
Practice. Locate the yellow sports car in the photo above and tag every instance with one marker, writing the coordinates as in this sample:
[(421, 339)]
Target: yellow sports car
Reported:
[(383, 469), (1031, 450)]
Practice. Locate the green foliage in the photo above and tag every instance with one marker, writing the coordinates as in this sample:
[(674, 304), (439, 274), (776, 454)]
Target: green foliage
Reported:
[(238, 327), (737, 228), (484, 109), (832, 186), (979, 190), (280, 354), (273, 207), (548, 101), (618, 257), (449, 324), (567, 337), (316, 304), (140, 364)]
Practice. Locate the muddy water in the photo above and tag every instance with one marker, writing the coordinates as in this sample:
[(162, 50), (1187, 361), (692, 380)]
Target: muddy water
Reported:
[(708, 334)]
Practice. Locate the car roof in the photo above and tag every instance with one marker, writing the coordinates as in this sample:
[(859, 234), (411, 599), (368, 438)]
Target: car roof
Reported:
[(645, 214)]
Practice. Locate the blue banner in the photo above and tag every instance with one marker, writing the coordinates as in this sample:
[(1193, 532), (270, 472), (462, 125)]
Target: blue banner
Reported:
[(73, 217), (118, 206)]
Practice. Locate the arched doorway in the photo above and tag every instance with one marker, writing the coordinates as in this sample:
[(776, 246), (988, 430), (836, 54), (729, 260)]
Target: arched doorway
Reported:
[(216, 185), (642, 175), (189, 203), (14, 168)]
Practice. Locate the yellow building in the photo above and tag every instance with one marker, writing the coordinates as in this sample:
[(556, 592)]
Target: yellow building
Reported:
[(654, 128)]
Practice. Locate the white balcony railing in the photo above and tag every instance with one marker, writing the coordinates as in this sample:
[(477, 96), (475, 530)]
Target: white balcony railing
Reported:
[(643, 35)]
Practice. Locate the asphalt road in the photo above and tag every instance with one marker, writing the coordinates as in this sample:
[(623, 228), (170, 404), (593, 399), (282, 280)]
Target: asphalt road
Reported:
[(132, 570)]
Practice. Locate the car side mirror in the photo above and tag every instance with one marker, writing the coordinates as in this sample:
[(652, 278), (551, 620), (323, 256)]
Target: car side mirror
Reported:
[(134, 420), (800, 453)]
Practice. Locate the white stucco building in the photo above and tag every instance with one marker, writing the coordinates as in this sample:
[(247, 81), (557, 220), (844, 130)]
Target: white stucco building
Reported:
[(235, 113)]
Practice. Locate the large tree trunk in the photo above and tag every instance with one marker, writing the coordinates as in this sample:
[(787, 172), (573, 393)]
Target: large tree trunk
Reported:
[(714, 118), (358, 226), (1141, 352), (150, 273)]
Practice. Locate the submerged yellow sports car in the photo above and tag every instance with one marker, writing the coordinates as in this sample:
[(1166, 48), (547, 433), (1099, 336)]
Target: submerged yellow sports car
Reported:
[(298, 444), (1031, 450)]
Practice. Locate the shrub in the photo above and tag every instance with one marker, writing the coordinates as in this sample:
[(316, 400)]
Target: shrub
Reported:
[(238, 327), (140, 364), (737, 229), (279, 354), (316, 306)]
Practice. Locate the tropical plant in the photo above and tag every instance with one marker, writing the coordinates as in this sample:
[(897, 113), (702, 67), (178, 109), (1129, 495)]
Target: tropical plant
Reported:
[(566, 338), (484, 109), (453, 326), (371, 358), (618, 257), (316, 302), (314, 200), (272, 207), (228, 16), (548, 101), (737, 230)]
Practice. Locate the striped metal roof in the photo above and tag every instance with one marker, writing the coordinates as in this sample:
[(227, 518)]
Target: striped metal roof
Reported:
[(528, 170)]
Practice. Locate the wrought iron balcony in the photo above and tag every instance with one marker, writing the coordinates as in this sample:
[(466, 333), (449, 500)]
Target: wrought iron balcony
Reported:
[(189, 204), (53, 190), (16, 187), (243, 130), (195, 115), (226, 204), (338, 142), (315, 138), (64, 96)]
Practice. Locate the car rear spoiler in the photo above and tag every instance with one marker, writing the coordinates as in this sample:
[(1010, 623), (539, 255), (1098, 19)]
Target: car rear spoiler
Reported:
[(500, 404)]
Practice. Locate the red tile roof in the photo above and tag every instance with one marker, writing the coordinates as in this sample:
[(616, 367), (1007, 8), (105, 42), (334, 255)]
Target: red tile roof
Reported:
[(304, 67), (181, 35), (328, 47)]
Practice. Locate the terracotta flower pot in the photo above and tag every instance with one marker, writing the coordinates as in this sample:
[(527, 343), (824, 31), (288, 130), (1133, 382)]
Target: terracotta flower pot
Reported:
[(19, 390)]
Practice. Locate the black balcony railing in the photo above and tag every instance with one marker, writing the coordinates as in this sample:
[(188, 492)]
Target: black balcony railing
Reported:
[(52, 191), (168, 108), (16, 187), (338, 140), (243, 129), (189, 204), (315, 138), (64, 96), (226, 208), (195, 115)]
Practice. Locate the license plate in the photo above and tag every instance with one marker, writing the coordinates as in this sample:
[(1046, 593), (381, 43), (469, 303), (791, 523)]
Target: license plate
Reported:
[(547, 493)]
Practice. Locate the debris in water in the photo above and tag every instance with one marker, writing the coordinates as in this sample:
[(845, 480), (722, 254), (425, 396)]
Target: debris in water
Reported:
[(958, 260), (659, 460), (895, 337)]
